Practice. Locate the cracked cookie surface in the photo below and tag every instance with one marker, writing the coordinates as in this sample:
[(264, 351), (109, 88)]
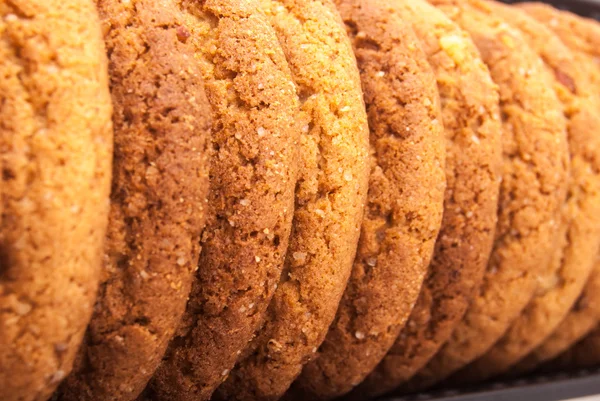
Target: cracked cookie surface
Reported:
[(533, 188), (330, 197), (404, 205), (158, 201), (251, 199), (473, 165), (582, 36), (55, 155), (579, 238)]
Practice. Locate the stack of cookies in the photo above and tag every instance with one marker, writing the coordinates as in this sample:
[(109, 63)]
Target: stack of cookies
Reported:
[(294, 199)]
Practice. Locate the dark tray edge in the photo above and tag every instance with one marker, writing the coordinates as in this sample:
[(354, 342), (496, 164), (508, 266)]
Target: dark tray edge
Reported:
[(555, 387)]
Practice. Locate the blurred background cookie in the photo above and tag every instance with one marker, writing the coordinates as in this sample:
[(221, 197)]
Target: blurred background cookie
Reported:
[(583, 354), (582, 36), (576, 249), (532, 191)]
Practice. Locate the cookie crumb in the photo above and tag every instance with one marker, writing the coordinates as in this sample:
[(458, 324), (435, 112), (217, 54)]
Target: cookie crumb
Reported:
[(299, 256), (22, 308), (61, 347), (454, 46), (182, 33), (57, 376)]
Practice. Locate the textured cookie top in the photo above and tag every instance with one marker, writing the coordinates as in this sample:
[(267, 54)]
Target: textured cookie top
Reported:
[(404, 206), (532, 191), (581, 36), (55, 155), (472, 124), (576, 248), (583, 354), (330, 197), (253, 173), (158, 201), (581, 319)]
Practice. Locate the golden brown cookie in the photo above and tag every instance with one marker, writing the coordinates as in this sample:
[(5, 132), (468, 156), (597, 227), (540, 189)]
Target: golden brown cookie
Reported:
[(472, 123), (55, 155), (404, 206), (584, 354), (533, 188), (251, 200), (582, 319), (575, 254), (330, 197), (158, 201), (582, 36)]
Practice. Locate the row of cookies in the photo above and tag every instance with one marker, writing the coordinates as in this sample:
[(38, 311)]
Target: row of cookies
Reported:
[(193, 84), (546, 237), (308, 199)]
